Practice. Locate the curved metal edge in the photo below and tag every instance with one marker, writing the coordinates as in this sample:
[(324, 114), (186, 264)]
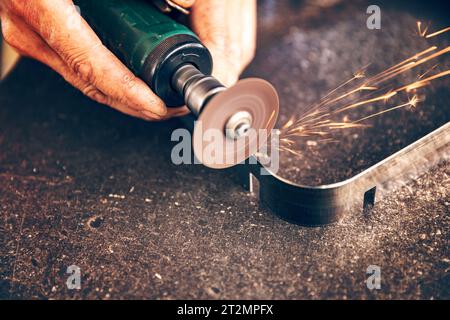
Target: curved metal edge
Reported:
[(321, 205)]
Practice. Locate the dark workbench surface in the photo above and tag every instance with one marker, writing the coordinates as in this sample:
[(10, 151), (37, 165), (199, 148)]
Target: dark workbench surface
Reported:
[(83, 185)]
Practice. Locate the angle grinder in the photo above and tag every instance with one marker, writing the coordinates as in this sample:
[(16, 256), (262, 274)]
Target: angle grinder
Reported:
[(171, 59)]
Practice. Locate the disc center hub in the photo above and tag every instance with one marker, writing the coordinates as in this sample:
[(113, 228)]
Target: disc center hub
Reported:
[(238, 125)]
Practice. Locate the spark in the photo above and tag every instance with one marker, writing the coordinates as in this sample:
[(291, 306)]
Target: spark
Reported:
[(423, 82), (311, 116), (290, 150), (431, 35), (412, 64), (412, 58), (437, 33), (359, 89), (422, 33), (384, 97), (335, 125), (287, 141), (358, 75), (324, 101), (289, 123), (352, 94), (412, 103), (432, 56), (345, 125), (428, 71), (271, 117)]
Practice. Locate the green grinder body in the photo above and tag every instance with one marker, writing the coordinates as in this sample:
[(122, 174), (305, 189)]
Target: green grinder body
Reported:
[(150, 43)]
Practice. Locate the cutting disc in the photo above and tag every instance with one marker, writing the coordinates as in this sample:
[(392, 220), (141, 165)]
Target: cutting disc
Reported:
[(212, 147)]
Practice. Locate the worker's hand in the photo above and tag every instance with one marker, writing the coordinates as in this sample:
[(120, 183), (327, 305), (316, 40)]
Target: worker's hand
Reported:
[(228, 29), (53, 32)]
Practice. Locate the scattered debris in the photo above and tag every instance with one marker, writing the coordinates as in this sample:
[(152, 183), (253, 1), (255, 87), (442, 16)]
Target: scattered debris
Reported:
[(95, 222), (116, 196)]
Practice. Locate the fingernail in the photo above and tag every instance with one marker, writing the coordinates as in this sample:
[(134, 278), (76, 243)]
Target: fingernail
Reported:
[(155, 108), (161, 110), (99, 97), (142, 98), (151, 115)]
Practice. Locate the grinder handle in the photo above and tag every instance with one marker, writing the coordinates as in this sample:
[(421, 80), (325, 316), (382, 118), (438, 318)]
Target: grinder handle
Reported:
[(131, 29), (147, 41)]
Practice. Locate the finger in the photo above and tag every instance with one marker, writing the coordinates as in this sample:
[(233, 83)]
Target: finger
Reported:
[(173, 113), (209, 22), (177, 112), (225, 70), (249, 32), (87, 57), (228, 29), (29, 43)]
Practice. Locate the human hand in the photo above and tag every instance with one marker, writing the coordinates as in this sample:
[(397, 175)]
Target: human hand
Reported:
[(43, 30), (40, 29)]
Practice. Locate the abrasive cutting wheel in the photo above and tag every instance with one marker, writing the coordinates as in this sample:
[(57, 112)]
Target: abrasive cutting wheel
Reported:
[(238, 113)]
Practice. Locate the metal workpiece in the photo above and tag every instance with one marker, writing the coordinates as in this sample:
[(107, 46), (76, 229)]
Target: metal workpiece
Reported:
[(326, 204)]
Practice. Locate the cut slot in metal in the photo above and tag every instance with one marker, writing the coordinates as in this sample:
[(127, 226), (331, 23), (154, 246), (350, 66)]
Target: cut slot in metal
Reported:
[(253, 184), (369, 198)]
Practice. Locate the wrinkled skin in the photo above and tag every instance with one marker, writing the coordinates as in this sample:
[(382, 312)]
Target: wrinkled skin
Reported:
[(43, 30)]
